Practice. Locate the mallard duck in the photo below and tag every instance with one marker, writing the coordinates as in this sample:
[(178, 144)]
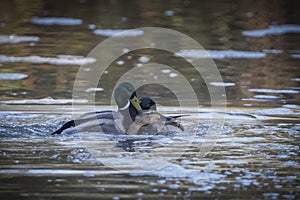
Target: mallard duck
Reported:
[(133, 116)]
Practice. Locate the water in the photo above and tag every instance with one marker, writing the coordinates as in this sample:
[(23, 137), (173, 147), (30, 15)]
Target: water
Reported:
[(42, 45)]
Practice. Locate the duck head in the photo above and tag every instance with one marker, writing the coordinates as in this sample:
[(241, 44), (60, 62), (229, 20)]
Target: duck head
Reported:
[(147, 103), (125, 97)]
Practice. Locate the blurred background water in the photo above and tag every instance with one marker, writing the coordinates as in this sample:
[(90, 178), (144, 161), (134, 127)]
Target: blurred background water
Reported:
[(255, 44)]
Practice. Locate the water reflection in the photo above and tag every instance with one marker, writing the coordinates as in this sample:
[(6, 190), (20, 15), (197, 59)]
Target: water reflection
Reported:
[(209, 23)]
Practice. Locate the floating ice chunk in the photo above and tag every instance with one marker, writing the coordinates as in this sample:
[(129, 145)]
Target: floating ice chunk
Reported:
[(295, 79), (92, 26), (55, 21), (292, 106), (47, 100), (118, 33), (144, 59), (295, 55), (13, 39), (125, 50), (124, 19), (296, 51), (275, 111), (253, 99), (94, 89), (218, 54), (120, 62), (12, 76), (59, 60), (261, 90), (273, 51), (166, 71), (265, 97), (172, 75), (169, 12), (221, 84), (273, 30)]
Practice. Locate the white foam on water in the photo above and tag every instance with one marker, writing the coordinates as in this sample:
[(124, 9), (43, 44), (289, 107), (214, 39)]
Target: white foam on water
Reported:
[(12, 76), (14, 39), (118, 32), (59, 60), (221, 84), (176, 171), (273, 30), (47, 100), (218, 54), (262, 90), (56, 21)]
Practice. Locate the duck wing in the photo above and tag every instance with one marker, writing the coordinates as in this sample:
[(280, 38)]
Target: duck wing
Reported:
[(92, 121), (152, 122)]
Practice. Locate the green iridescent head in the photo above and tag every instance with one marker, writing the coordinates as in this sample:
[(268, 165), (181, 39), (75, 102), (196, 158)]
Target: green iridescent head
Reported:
[(125, 95)]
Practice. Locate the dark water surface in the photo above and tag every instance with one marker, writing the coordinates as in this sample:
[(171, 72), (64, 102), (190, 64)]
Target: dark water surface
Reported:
[(256, 46)]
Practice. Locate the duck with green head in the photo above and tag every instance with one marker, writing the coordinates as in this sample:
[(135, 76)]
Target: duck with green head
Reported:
[(133, 116)]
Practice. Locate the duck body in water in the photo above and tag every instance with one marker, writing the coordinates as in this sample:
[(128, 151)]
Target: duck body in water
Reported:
[(132, 117)]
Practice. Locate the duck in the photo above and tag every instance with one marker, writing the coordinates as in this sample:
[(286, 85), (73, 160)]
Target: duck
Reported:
[(133, 116)]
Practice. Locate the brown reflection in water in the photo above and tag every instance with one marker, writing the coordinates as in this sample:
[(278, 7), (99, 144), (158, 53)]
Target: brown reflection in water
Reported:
[(214, 24), (274, 71)]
